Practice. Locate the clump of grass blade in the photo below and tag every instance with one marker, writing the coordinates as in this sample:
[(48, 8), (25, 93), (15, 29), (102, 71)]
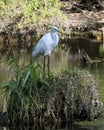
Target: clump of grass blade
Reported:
[(32, 98)]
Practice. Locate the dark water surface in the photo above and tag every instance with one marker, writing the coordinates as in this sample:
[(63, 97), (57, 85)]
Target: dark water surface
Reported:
[(63, 57), (51, 128)]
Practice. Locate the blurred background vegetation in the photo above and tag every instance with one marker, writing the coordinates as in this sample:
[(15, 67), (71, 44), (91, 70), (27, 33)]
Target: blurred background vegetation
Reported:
[(29, 11), (34, 11)]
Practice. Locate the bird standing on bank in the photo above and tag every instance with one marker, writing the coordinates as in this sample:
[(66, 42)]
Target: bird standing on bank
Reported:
[(46, 45)]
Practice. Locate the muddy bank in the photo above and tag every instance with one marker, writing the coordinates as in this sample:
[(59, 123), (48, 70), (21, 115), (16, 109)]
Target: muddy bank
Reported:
[(84, 21)]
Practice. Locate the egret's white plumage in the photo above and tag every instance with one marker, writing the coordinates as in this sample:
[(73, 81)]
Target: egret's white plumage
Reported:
[(46, 44)]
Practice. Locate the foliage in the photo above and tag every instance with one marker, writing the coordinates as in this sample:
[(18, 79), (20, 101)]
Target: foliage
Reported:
[(29, 11), (31, 97), (78, 88), (21, 91)]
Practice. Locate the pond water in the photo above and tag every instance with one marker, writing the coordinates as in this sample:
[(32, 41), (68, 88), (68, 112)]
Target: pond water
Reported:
[(51, 128), (64, 56)]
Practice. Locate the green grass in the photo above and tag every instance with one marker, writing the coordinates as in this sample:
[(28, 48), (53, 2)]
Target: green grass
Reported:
[(33, 97)]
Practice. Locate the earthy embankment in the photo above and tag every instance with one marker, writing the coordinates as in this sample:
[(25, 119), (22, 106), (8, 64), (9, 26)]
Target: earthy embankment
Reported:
[(76, 24)]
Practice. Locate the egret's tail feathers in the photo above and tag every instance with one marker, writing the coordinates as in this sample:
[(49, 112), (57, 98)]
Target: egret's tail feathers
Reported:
[(34, 53)]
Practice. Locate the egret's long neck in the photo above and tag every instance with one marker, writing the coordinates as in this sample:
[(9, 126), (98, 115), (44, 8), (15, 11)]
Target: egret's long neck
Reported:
[(53, 34)]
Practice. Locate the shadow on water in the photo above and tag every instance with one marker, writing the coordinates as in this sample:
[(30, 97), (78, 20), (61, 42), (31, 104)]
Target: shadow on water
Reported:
[(89, 47), (68, 53)]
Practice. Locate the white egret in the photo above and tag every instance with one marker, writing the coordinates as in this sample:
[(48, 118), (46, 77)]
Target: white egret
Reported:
[(46, 45)]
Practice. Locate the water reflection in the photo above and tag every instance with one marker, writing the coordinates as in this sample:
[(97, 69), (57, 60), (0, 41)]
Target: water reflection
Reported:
[(90, 47)]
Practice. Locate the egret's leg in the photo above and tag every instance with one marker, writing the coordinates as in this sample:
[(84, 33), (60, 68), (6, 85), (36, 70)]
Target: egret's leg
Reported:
[(48, 65), (44, 64)]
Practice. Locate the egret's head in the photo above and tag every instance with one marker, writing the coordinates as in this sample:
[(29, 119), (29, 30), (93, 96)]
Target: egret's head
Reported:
[(54, 29)]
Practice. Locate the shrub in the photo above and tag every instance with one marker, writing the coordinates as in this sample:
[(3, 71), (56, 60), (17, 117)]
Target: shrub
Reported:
[(70, 95)]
